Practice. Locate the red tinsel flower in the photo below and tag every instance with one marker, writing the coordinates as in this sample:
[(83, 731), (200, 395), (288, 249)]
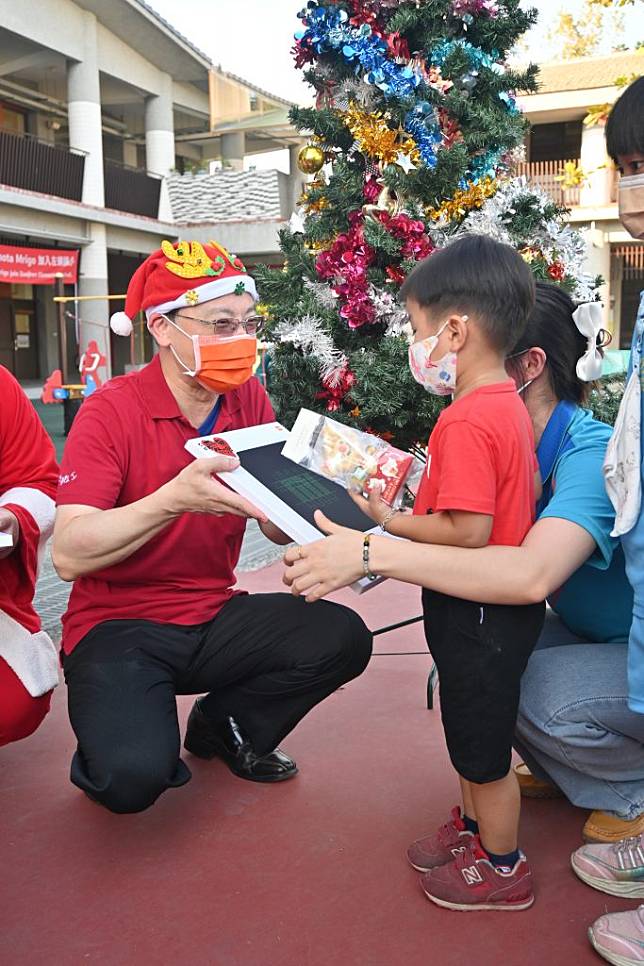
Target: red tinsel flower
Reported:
[(398, 46), (372, 188), (556, 271), (395, 274), (348, 259), (416, 243), (336, 388), (449, 128), (346, 263), (303, 53), (365, 11)]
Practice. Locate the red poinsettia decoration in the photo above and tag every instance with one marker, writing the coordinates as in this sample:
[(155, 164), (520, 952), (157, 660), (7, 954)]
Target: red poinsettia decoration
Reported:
[(416, 243), (556, 271), (336, 388), (346, 262)]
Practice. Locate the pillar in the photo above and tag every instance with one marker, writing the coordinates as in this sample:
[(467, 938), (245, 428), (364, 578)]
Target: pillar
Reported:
[(93, 280), (598, 262), (597, 166), (233, 149), (84, 113), (298, 178), (159, 139), (130, 153)]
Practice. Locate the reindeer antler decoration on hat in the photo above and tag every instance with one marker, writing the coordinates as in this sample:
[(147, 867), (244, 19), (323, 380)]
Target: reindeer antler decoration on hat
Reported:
[(180, 275)]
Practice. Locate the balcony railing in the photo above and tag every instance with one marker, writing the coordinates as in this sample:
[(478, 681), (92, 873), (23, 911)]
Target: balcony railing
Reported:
[(546, 174), (36, 165), (130, 189)]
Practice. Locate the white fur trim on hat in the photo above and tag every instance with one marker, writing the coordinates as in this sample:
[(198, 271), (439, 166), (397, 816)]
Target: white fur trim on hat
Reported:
[(203, 293), (121, 324)]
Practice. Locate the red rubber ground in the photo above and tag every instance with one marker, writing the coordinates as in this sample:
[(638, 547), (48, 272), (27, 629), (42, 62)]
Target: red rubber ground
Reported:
[(311, 872)]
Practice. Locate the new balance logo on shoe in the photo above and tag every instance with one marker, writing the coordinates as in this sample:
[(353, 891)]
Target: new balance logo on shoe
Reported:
[(471, 875)]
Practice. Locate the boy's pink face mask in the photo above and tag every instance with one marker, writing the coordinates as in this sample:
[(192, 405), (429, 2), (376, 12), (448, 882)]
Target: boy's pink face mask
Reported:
[(438, 377)]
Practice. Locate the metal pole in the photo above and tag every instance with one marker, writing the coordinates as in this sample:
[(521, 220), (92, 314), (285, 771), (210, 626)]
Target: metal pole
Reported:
[(86, 298), (62, 326)]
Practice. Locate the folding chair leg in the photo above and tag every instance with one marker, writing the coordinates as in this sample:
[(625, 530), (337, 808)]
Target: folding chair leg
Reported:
[(431, 684)]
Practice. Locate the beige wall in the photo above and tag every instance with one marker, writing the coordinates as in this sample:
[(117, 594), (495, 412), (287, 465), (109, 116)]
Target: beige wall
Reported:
[(231, 101)]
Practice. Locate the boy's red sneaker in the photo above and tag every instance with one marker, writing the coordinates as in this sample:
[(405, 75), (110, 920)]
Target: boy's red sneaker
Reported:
[(471, 882), (441, 847)]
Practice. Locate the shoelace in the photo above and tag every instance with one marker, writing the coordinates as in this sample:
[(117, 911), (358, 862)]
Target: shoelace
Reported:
[(629, 853), (470, 854), (446, 831)]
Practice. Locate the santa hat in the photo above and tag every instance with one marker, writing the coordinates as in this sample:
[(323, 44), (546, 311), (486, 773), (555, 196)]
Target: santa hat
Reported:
[(178, 276)]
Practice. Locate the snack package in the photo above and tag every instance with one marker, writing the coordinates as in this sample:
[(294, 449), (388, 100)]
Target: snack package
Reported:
[(354, 459)]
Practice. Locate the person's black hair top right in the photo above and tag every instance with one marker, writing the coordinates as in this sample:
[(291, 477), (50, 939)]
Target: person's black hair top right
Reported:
[(552, 328), (625, 125), (480, 277)]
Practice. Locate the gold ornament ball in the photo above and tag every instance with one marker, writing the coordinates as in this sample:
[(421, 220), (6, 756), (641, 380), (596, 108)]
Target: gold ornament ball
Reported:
[(310, 159)]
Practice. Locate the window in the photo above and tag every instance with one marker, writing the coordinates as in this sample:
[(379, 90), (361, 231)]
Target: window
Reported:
[(11, 119), (555, 142)]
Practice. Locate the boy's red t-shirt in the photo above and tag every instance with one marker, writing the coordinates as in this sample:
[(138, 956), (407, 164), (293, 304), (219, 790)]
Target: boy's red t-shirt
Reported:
[(481, 458)]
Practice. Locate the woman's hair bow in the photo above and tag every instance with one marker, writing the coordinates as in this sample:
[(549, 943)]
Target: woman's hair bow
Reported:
[(588, 318)]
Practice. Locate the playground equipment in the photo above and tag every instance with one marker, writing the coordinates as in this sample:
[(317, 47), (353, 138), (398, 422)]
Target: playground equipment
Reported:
[(59, 387)]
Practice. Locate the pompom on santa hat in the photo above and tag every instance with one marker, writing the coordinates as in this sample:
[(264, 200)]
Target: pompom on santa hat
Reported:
[(181, 275)]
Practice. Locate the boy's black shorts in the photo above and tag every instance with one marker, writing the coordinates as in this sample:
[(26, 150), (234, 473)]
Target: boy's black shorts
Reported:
[(480, 651)]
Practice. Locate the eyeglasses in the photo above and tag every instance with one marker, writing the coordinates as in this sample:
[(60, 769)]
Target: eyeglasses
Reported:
[(226, 327)]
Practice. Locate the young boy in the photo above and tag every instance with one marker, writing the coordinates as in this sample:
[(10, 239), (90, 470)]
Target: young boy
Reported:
[(468, 305)]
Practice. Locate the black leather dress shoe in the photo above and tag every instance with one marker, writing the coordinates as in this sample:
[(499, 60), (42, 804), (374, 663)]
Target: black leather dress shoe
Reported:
[(207, 740)]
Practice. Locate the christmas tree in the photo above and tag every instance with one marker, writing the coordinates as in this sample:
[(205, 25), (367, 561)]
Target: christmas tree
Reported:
[(413, 137)]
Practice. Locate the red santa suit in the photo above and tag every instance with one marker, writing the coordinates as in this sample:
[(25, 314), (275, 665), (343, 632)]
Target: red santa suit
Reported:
[(28, 478)]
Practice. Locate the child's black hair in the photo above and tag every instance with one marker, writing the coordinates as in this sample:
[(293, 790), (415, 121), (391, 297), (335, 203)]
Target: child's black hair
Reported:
[(480, 277), (552, 328), (625, 125)]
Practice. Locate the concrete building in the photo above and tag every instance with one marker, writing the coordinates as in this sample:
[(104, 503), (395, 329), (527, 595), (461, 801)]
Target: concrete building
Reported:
[(243, 209), (102, 105), (567, 118), (92, 98)]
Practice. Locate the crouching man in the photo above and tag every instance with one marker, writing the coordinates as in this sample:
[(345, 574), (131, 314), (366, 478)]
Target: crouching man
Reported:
[(151, 540)]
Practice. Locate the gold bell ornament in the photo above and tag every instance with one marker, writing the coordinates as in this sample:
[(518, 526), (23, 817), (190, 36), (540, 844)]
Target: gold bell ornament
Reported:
[(311, 159)]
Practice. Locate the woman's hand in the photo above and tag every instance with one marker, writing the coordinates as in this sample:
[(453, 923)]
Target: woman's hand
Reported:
[(9, 524), (319, 568), (196, 489)]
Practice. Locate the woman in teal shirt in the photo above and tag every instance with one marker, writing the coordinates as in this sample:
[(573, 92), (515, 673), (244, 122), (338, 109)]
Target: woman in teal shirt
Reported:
[(575, 728)]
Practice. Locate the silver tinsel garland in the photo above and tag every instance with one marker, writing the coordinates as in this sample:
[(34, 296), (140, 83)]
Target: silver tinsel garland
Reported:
[(389, 311), (553, 237), (309, 336), (323, 293)]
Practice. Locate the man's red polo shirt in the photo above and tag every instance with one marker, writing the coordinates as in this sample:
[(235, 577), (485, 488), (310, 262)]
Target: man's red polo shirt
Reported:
[(127, 441)]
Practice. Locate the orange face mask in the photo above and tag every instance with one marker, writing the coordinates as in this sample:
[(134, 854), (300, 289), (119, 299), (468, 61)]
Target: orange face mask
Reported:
[(220, 364)]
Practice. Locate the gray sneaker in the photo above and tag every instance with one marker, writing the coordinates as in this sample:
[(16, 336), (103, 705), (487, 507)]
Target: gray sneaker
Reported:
[(617, 869)]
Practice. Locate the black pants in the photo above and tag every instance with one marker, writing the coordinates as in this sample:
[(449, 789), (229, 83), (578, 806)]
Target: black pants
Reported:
[(481, 652), (265, 659)]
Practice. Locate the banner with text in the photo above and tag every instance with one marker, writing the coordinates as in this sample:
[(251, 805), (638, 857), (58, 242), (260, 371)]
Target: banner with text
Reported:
[(37, 266)]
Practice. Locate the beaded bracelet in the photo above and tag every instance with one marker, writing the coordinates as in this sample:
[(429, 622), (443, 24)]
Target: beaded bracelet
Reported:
[(388, 517), (365, 557)]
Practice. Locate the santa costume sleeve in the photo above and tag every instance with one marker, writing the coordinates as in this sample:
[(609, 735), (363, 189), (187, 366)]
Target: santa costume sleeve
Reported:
[(28, 479)]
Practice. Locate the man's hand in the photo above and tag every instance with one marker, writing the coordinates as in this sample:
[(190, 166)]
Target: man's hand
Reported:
[(9, 524), (197, 490), (319, 568)]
